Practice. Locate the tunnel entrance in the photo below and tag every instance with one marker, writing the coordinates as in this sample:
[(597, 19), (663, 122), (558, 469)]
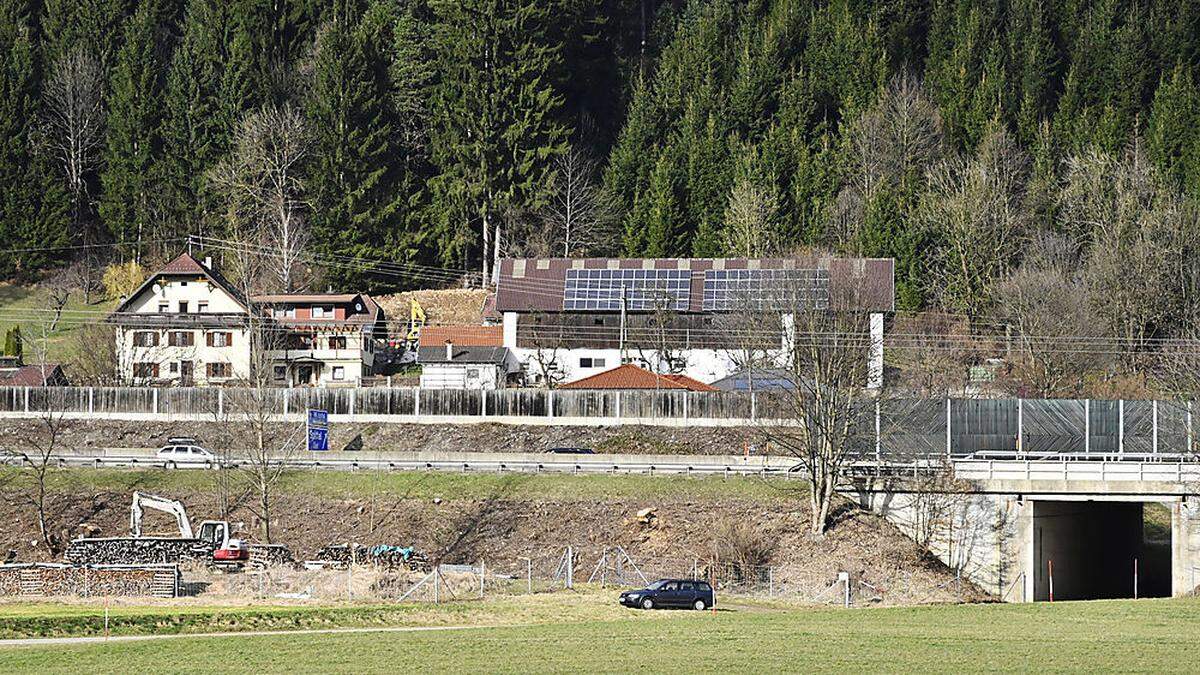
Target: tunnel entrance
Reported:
[(1090, 549)]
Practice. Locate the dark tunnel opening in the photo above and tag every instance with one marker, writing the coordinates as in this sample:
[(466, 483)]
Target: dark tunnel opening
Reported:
[(1089, 550)]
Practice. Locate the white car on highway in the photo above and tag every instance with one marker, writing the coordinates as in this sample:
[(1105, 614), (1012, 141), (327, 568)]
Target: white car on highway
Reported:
[(184, 453)]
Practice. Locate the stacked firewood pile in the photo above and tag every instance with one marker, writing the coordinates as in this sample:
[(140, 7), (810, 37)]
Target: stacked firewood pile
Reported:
[(269, 555), (50, 579), (383, 555), (134, 551)]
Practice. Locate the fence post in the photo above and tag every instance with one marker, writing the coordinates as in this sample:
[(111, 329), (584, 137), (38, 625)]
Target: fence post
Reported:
[(26, 400), (1087, 425), (550, 403), (482, 577), (686, 399), (571, 567), (878, 444), (770, 582), (483, 402), (156, 401), (948, 448), (1020, 425), (529, 575), (618, 404), (1154, 424), (287, 400), (1121, 427), (417, 402), (353, 400), (221, 403)]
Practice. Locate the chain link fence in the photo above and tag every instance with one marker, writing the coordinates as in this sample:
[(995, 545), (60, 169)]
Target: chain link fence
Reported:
[(567, 569)]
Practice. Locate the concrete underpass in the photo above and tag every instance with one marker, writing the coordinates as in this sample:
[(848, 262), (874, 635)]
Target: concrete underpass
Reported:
[(1093, 550)]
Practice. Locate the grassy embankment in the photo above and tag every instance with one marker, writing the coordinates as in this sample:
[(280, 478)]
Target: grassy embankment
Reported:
[(430, 484), (586, 633), (27, 307)]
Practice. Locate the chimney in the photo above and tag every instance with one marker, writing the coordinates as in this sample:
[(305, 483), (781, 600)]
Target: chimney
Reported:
[(208, 262), (449, 350)]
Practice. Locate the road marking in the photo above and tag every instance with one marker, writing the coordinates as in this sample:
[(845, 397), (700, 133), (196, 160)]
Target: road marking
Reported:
[(100, 639)]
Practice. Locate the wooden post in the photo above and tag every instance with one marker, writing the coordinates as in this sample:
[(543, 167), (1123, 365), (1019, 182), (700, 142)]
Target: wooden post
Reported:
[(1050, 571), (417, 402)]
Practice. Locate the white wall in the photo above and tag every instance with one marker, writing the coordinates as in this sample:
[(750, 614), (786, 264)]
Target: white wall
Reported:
[(454, 376), (705, 365), (191, 290)]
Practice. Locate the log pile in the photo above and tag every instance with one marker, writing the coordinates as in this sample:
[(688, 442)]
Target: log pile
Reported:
[(269, 555), (135, 551), (385, 556), (51, 579)]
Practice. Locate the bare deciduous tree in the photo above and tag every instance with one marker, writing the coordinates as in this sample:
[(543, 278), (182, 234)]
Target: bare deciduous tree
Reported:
[(579, 213), (1050, 306), (977, 208), (73, 126), (828, 418), (263, 186), (750, 219), (35, 452), (891, 144)]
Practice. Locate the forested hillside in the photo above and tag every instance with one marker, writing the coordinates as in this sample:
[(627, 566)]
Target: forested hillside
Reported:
[(1020, 150)]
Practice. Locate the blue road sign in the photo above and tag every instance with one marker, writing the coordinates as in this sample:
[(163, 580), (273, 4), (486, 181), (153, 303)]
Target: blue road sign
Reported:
[(318, 418), (318, 439)]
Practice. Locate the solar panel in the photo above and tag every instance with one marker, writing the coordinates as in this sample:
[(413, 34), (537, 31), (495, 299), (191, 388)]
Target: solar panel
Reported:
[(600, 290), (726, 290)]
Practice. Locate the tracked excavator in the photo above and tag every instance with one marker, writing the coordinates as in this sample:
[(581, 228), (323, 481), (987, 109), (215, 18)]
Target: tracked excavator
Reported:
[(213, 534)]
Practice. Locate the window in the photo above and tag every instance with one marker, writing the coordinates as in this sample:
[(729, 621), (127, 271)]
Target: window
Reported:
[(183, 283), (280, 372), (164, 307), (181, 338), (339, 373), (320, 312), (473, 373), (174, 367), (589, 362), (145, 338), (300, 342), (220, 339), (145, 370), (183, 306), (337, 342), (216, 370), (202, 306)]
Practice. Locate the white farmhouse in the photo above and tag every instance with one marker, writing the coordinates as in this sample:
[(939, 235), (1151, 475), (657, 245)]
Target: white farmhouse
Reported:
[(184, 325)]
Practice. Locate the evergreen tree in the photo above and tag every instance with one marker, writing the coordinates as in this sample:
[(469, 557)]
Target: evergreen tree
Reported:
[(127, 201), (354, 139), (654, 227), (496, 116), (1173, 129)]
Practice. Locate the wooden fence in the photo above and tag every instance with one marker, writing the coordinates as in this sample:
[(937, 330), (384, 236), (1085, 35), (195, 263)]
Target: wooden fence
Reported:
[(900, 428)]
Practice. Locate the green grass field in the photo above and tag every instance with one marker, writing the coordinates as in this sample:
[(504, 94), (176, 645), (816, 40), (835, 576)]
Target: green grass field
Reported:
[(587, 633), (24, 306), (429, 484)]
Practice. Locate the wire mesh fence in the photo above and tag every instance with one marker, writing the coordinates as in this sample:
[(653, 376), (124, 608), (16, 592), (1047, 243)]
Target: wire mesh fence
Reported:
[(569, 569)]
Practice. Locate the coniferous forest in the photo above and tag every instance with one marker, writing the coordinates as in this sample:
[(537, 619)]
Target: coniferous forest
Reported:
[(1002, 151)]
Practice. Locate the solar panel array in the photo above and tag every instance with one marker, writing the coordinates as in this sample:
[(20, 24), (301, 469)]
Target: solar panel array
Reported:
[(774, 289), (645, 290)]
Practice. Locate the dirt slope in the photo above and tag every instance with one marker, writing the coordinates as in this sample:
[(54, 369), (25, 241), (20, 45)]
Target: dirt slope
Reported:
[(505, 526)]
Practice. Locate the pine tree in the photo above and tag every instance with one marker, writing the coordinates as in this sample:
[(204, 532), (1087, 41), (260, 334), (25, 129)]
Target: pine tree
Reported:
[(653, 228), (497, 115), (127, 201), (354, 136), (1172, 134)]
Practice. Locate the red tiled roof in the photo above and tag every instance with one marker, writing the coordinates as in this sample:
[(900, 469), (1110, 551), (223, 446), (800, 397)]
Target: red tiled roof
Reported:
[(630, 376), (32, 376), (184, 264), (462, 336)]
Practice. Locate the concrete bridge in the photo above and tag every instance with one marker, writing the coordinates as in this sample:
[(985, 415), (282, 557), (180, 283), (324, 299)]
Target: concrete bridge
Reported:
[(1062, 529)]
